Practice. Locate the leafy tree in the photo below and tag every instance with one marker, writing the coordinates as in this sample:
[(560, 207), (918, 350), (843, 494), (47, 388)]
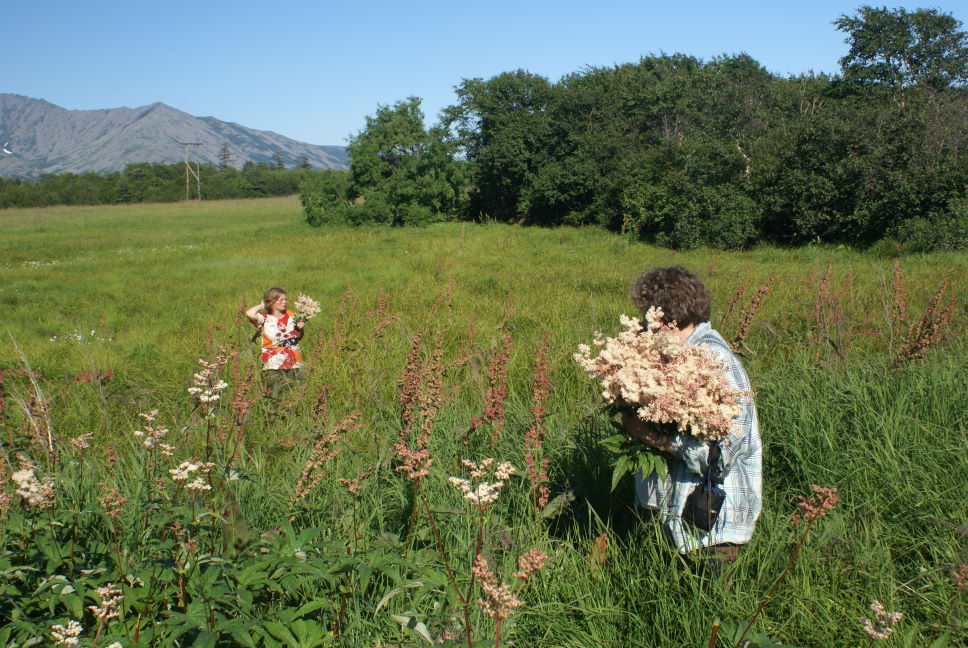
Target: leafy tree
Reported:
[(504, 128), (278, 162), (303, 163), (401, 173), (899, 49)]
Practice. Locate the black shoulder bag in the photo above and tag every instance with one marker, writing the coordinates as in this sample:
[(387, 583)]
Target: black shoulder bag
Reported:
[(705, 501)]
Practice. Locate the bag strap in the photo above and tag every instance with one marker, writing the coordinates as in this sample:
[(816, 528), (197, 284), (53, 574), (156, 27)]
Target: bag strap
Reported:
[(713, 478)]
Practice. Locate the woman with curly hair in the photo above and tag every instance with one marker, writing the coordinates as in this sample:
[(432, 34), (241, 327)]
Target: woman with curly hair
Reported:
[(281, 357), (737, 460)]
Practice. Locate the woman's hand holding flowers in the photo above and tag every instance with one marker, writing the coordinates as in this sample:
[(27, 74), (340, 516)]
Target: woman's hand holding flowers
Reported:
[(645, 432)]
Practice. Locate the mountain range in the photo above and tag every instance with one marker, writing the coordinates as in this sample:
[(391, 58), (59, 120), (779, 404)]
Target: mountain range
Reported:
[(43, 138)]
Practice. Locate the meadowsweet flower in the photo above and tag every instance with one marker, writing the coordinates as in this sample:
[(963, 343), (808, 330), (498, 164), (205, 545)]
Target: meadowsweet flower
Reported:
[(188, 468), (152, 435), (81, 442), (68, 636), (182, 472), (305, 308), (113, 503), (882, 625), (207, 388), (529, 563), (481, 493), (198, 485), (498, 599), (477, 470), (36, 493), (505, 470), (814, 508), (648, 367), (111, 598)]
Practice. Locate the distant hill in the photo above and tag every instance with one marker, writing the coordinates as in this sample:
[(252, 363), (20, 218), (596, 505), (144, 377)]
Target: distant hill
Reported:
[(45, 138)]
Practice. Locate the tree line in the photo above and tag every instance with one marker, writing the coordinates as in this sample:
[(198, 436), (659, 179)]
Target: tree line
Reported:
[(145, 182), (686, 153)]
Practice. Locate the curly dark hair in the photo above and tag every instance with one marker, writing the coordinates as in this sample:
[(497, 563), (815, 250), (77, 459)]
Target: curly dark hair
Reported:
[(679, 293)]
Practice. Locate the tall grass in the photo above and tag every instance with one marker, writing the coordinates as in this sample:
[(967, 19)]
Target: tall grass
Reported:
[(161, 286)]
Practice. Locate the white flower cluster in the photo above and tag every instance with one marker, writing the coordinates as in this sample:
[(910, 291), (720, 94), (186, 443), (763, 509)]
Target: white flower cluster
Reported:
[(37, 493), (111, 598), (207, 388), (481, 493), (187, 469), (80, 337), (67, 636), (651, 369), (306, 308), (882, 625), (152, 435)]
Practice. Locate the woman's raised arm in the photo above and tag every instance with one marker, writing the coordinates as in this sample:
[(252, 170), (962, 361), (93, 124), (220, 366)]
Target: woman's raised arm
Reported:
[(253, 314)]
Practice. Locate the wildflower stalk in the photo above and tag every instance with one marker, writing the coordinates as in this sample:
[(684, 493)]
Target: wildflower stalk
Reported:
[(809, 510), (464, 599), (776, 584), (715, 632), (537, 463)]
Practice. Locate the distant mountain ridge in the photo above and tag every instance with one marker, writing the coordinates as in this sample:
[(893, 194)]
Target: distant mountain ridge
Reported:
[(45, 138)]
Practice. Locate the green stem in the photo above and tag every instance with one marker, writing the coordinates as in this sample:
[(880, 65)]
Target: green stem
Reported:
[(769, 594)]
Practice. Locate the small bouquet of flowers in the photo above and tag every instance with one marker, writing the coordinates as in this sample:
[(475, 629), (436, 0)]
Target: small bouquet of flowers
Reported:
[(305, 308), (649, 370)]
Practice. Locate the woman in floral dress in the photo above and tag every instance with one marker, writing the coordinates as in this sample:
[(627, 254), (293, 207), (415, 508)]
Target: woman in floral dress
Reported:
[(281, 332)]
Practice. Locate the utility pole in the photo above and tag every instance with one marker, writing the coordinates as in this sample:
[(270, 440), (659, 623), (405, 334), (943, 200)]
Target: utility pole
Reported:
[(190, 171)]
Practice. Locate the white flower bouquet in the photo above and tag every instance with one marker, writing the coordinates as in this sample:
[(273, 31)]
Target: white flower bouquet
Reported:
[(647, 369), (305, 308)]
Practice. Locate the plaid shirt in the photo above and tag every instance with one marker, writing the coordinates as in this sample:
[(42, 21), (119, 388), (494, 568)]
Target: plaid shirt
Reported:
[(740, 462)]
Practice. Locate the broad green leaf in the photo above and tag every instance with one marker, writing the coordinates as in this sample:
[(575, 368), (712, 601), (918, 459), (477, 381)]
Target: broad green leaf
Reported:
[(621, 467), (418, 627), (281, 633)]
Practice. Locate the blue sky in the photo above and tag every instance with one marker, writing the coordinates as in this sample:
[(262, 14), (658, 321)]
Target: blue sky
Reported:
[(314, 70)]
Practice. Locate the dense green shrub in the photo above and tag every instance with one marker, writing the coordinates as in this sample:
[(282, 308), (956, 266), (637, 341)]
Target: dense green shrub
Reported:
[(686, 152), (324, 197), (936, 232)]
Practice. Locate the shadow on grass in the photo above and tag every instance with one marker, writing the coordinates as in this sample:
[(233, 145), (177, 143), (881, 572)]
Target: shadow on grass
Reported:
[(586, 474)]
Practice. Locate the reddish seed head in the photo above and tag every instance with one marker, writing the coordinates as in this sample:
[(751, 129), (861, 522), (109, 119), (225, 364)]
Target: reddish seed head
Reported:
[(809, 509)]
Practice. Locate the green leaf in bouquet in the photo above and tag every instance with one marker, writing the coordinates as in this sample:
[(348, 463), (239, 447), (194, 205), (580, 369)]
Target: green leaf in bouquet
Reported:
[(622, 466), (651, 462), (616, 443)]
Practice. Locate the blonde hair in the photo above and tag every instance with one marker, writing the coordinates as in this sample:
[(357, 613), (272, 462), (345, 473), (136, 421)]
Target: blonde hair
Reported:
[(271, 296)]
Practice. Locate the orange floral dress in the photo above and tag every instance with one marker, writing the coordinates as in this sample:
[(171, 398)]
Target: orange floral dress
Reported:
[(280, 342)]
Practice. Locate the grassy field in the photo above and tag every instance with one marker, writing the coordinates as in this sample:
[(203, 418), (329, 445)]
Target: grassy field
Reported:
[(106, 312)]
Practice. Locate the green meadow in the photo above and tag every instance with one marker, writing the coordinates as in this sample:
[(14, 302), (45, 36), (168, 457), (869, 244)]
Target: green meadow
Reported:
[(857, 360)]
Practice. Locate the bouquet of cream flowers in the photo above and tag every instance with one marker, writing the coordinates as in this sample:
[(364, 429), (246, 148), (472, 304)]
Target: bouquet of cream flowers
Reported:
[(649, 369), (305, 308)]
